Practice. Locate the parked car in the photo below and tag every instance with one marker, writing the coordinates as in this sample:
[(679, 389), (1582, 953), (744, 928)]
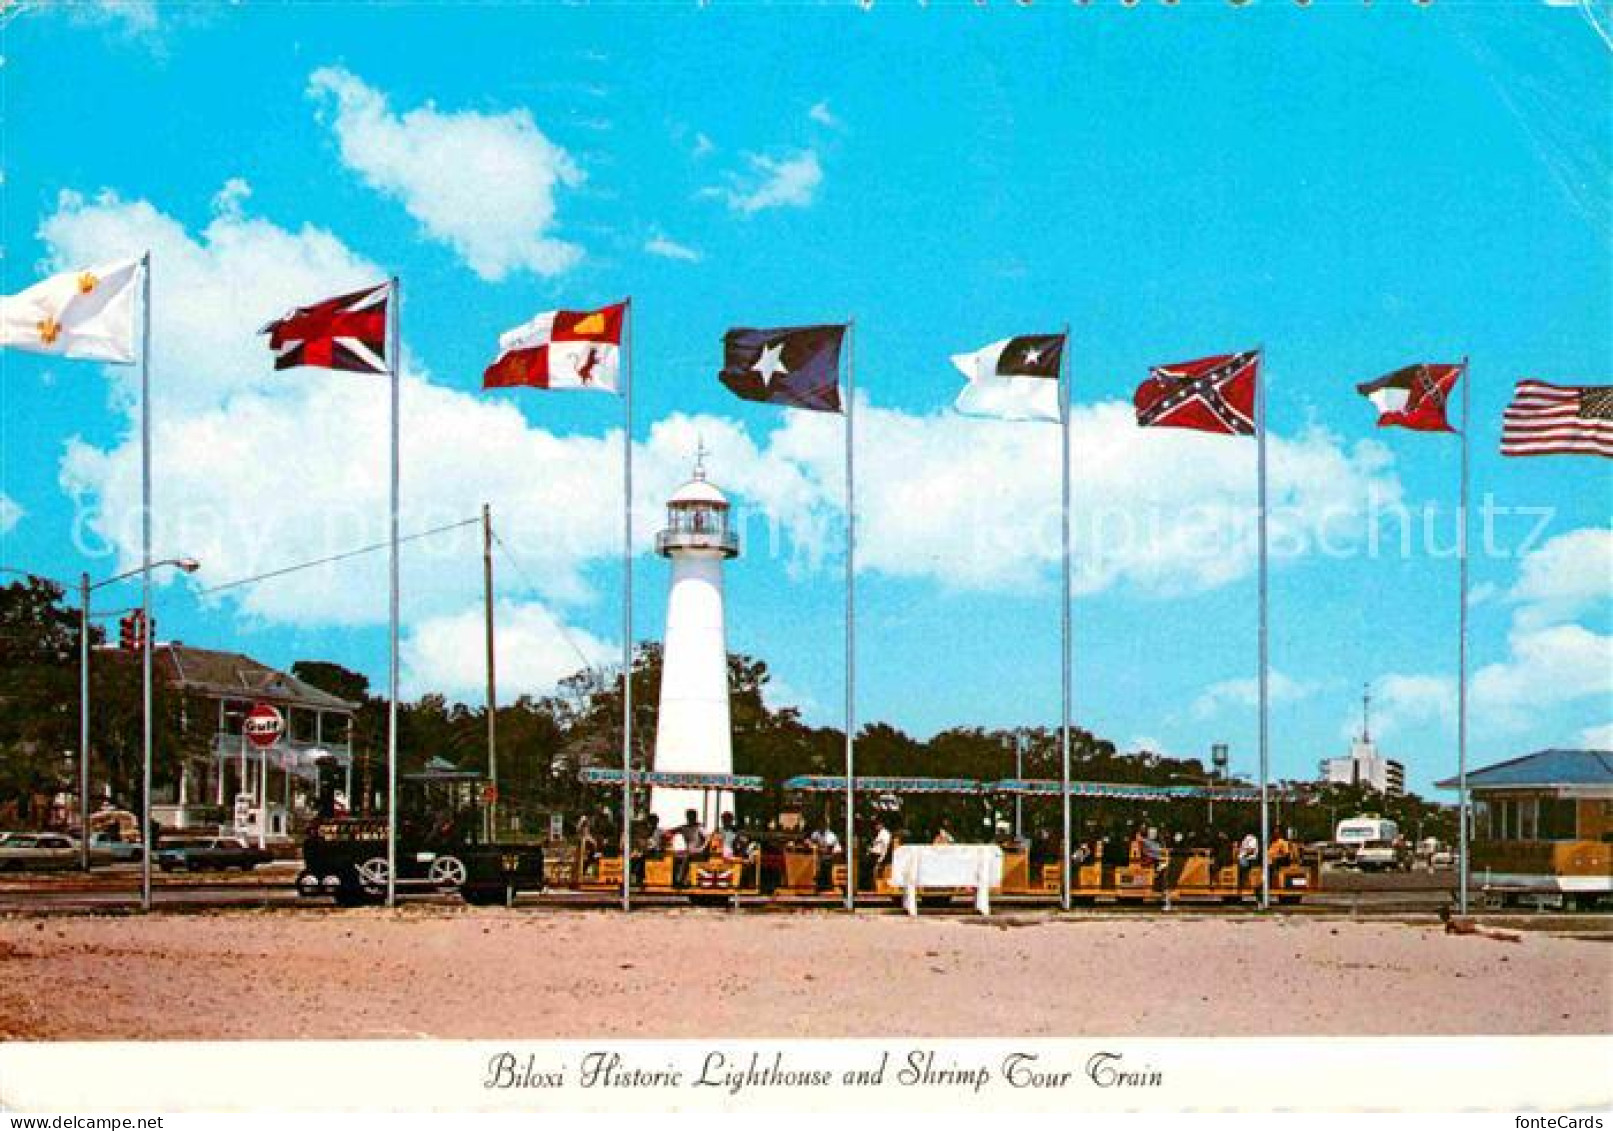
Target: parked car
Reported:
[(209, 854), (38, 851), (115, 849)]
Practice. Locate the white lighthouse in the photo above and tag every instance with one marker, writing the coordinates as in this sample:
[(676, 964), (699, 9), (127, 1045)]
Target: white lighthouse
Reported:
[(692, 732)]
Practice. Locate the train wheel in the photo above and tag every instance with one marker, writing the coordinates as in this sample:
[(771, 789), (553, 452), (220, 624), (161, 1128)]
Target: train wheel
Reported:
[(447, 873), (372, 875)]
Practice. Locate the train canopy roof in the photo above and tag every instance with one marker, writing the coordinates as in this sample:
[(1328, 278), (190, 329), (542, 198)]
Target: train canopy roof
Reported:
[(1131, 791), (810, 784), (736, 783)]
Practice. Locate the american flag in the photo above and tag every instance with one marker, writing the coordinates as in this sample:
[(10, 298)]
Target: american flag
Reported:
[(1557, 420)]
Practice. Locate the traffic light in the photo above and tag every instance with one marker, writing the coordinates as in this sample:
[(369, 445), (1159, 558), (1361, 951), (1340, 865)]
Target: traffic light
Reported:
[(133, 632)]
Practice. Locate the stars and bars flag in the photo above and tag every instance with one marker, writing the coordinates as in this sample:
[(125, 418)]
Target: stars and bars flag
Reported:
[(346, 332), (1013, 379), (1209, 394), (1414, 397), (561, 349), (1558, 420)]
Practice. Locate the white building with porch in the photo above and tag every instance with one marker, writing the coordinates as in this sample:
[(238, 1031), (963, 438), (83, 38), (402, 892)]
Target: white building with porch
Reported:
[(222, 776)]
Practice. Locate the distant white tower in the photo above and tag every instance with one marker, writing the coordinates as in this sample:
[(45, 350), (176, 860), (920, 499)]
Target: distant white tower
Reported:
[(692, 732)]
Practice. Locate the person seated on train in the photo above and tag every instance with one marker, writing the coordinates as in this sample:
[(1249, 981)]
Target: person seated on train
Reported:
[(1044, 849), (687, 839), (1134, 851), (649, 846), (587, 846), (1151, 854), (1248, 855), (1116, 854), (1281, 852), (727, 836), (943, 835), (879, 851), (826, 846)]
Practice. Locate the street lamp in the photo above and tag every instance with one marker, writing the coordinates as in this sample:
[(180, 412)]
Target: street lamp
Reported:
[(184, 565), (85, 588)]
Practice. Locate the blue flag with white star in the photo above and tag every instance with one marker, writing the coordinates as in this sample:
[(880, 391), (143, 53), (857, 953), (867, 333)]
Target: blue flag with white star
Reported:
[(794, 366)]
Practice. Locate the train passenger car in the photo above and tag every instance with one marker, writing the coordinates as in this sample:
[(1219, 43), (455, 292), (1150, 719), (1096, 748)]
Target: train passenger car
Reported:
[(702, 874), (1106, 871)]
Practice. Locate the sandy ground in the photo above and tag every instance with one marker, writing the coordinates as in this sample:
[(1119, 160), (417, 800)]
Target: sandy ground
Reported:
[(694, 973)]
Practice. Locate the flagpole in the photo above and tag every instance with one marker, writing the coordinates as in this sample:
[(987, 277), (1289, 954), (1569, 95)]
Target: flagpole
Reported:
[(1461, 662), (1067, 641), (395, 312), (851, 614), (627, 606), (146, 837), (1264, 649)]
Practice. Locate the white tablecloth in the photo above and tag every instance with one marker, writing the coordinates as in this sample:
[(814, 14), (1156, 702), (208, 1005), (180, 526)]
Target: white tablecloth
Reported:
[(977, 866)]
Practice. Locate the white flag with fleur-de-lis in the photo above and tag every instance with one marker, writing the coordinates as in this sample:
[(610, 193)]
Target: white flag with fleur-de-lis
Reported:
[(88, 314)]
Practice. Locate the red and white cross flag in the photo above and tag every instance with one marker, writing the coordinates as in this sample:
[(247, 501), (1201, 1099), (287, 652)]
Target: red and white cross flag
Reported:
[(561, 349)]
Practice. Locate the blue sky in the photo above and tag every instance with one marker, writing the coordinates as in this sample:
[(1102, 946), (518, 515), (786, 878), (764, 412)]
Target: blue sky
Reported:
[(1353, 188)]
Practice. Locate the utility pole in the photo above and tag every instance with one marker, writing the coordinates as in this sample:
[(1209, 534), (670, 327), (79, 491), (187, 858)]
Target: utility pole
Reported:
[(492, 677), (1019, 775)]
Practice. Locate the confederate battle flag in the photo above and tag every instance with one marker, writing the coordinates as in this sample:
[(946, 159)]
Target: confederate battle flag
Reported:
[(1413, 397), (346, 332), (561, 349), (1211, 394)]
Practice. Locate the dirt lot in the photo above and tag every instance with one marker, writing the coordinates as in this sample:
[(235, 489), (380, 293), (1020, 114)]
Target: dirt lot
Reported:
[(685, 973)]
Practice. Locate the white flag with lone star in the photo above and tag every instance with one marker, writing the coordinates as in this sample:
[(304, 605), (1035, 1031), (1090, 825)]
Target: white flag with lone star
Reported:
[(86, 314), (1014, 379)]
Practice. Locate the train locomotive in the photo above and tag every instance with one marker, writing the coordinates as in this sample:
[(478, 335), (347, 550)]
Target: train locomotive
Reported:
[(442, 844)]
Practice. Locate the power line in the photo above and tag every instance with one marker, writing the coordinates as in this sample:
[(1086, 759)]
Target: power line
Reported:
[(509, 556), (333, 558)]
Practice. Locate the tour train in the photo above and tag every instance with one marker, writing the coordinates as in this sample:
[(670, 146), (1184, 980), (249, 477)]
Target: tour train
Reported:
[(345, 858), (782, 864)]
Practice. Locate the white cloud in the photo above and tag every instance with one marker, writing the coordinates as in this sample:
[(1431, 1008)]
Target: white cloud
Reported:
[(1400, 701), (1551, 660), (1597, 737), (484, 184), (10, 513), (703, 145), (1565, 576), (671, 249), (821, 114), (971, 504), (256, 469), (447, 654), (1546, 668), (137, 17), (772, 182), (1244, 694)]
